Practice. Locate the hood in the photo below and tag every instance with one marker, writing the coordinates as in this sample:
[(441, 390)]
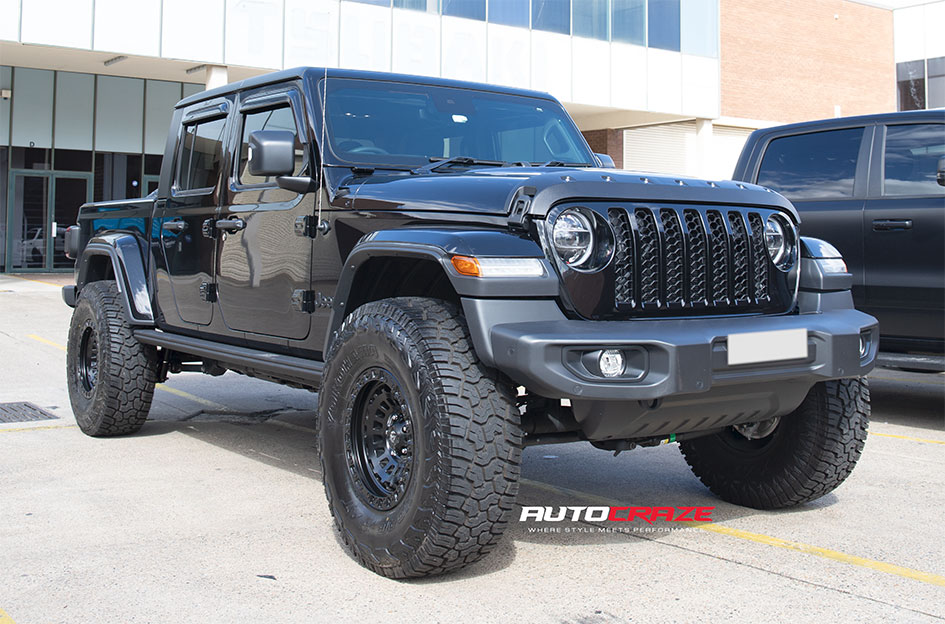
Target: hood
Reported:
[(491, 190)]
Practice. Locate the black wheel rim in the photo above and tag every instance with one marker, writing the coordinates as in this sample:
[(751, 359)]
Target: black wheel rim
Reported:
[(379, 439), (88, 359)]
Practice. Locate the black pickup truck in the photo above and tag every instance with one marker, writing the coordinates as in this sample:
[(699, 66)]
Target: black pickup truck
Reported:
[(874, 186), (458, 276)]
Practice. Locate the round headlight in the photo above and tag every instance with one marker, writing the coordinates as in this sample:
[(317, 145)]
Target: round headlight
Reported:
[(573, 238), (775, 239), (781, 241)]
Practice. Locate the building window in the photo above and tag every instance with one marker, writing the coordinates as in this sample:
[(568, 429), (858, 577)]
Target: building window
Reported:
[(509, 12), (663, 24), (816, 165), (117, 176), (72, 160), (383, 3), (591, 19), (699, 28), (470, 9), (911, 159), (628, 22), (910, 80), (552, 16), (936, 83), (429, 6)]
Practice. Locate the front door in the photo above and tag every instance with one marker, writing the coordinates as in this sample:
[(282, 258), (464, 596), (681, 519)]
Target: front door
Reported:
[(263, 262), (43, 206), (905, 227), (188, 215)]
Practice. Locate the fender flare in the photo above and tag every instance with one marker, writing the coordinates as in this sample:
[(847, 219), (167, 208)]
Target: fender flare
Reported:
[(131, 275), (440, 244)]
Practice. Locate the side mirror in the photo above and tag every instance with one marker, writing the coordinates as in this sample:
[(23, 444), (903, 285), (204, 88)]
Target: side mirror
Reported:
[(940, 172), (271, 153), (606, 161)]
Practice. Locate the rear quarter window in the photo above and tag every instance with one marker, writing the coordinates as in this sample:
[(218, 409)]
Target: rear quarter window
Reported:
[(910, 159), (816, 165)]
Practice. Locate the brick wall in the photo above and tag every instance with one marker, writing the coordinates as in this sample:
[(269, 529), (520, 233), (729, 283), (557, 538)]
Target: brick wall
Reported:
[(607, 141), (791, 60)]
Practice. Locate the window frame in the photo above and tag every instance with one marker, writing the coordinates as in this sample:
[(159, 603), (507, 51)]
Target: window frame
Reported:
[(878, 175), (202, 112), (258, 102), (861, 172)]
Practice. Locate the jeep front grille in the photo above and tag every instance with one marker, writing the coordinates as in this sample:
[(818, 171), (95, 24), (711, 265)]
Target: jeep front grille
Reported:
[(689, 258)]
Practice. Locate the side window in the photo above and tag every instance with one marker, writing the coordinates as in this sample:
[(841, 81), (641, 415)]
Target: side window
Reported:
[(201, 155), (818, 165), (272, 119), (911, 158)]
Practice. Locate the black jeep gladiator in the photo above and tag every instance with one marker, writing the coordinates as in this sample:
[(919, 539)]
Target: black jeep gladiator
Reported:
[(457, 275)]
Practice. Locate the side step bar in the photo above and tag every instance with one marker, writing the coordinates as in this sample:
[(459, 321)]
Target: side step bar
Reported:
[(287, 367)]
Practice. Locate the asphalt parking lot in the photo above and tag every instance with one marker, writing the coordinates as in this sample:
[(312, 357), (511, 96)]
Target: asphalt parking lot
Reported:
[(215, 512)]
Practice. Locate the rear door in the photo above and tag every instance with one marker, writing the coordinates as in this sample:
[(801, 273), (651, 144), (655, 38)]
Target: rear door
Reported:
[(264, 261), (905, 231), (824, 174), (192, 204)]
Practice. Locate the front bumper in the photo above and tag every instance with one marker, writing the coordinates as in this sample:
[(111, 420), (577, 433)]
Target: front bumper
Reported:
[(681, 379), (681, 356)]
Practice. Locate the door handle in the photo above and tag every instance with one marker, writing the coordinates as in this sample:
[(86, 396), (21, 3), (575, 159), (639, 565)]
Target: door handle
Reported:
[(885, 225), (174, 226), (230, 225)]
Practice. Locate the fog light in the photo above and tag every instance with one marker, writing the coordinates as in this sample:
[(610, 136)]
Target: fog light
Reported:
[(864, 344), (611, 363)]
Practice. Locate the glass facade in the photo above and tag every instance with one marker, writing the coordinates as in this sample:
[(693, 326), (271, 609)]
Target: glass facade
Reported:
[(687, 26), (69, 138)]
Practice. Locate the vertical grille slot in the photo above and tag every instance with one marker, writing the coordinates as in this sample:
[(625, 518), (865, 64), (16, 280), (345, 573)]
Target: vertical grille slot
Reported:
[(696, 240), (623, 256), (759, 255), (673, 254), (649, 256), (719, 254), (740, 261)]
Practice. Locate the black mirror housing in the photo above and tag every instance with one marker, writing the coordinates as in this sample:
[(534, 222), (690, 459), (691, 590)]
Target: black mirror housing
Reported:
[(271, 153)]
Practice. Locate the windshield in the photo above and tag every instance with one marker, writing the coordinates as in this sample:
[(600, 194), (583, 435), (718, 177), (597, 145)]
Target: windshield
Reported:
[(389, 123)]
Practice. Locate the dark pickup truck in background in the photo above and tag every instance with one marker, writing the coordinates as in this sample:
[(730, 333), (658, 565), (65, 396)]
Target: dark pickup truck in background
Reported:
[(874, 187)]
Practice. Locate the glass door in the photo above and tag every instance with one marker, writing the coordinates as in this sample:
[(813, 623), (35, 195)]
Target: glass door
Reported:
[(26, 221), (69, 193), (41, 207)]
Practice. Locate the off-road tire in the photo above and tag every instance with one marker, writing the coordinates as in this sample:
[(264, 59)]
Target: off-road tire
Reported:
[(467, 448), (809, 454), (118, 401)]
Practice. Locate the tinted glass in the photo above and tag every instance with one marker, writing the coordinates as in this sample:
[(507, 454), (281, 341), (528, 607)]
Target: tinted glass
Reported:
[(911, 158), (699, 28), (910, 82), (591, 19), (417, 5), (72, 160), (509, 12), (628, 23), (152, 164), (275, 119), (384, 3), (470, 9), (372, 122), (663, 23), (936, 82), (552, 15), (201, 155), (819, 165)]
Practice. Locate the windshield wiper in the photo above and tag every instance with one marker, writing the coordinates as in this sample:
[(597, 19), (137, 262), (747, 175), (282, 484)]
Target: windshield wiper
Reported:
[(436, 162)]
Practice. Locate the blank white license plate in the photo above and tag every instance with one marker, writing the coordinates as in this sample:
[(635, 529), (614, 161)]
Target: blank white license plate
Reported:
[(767, 346)]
